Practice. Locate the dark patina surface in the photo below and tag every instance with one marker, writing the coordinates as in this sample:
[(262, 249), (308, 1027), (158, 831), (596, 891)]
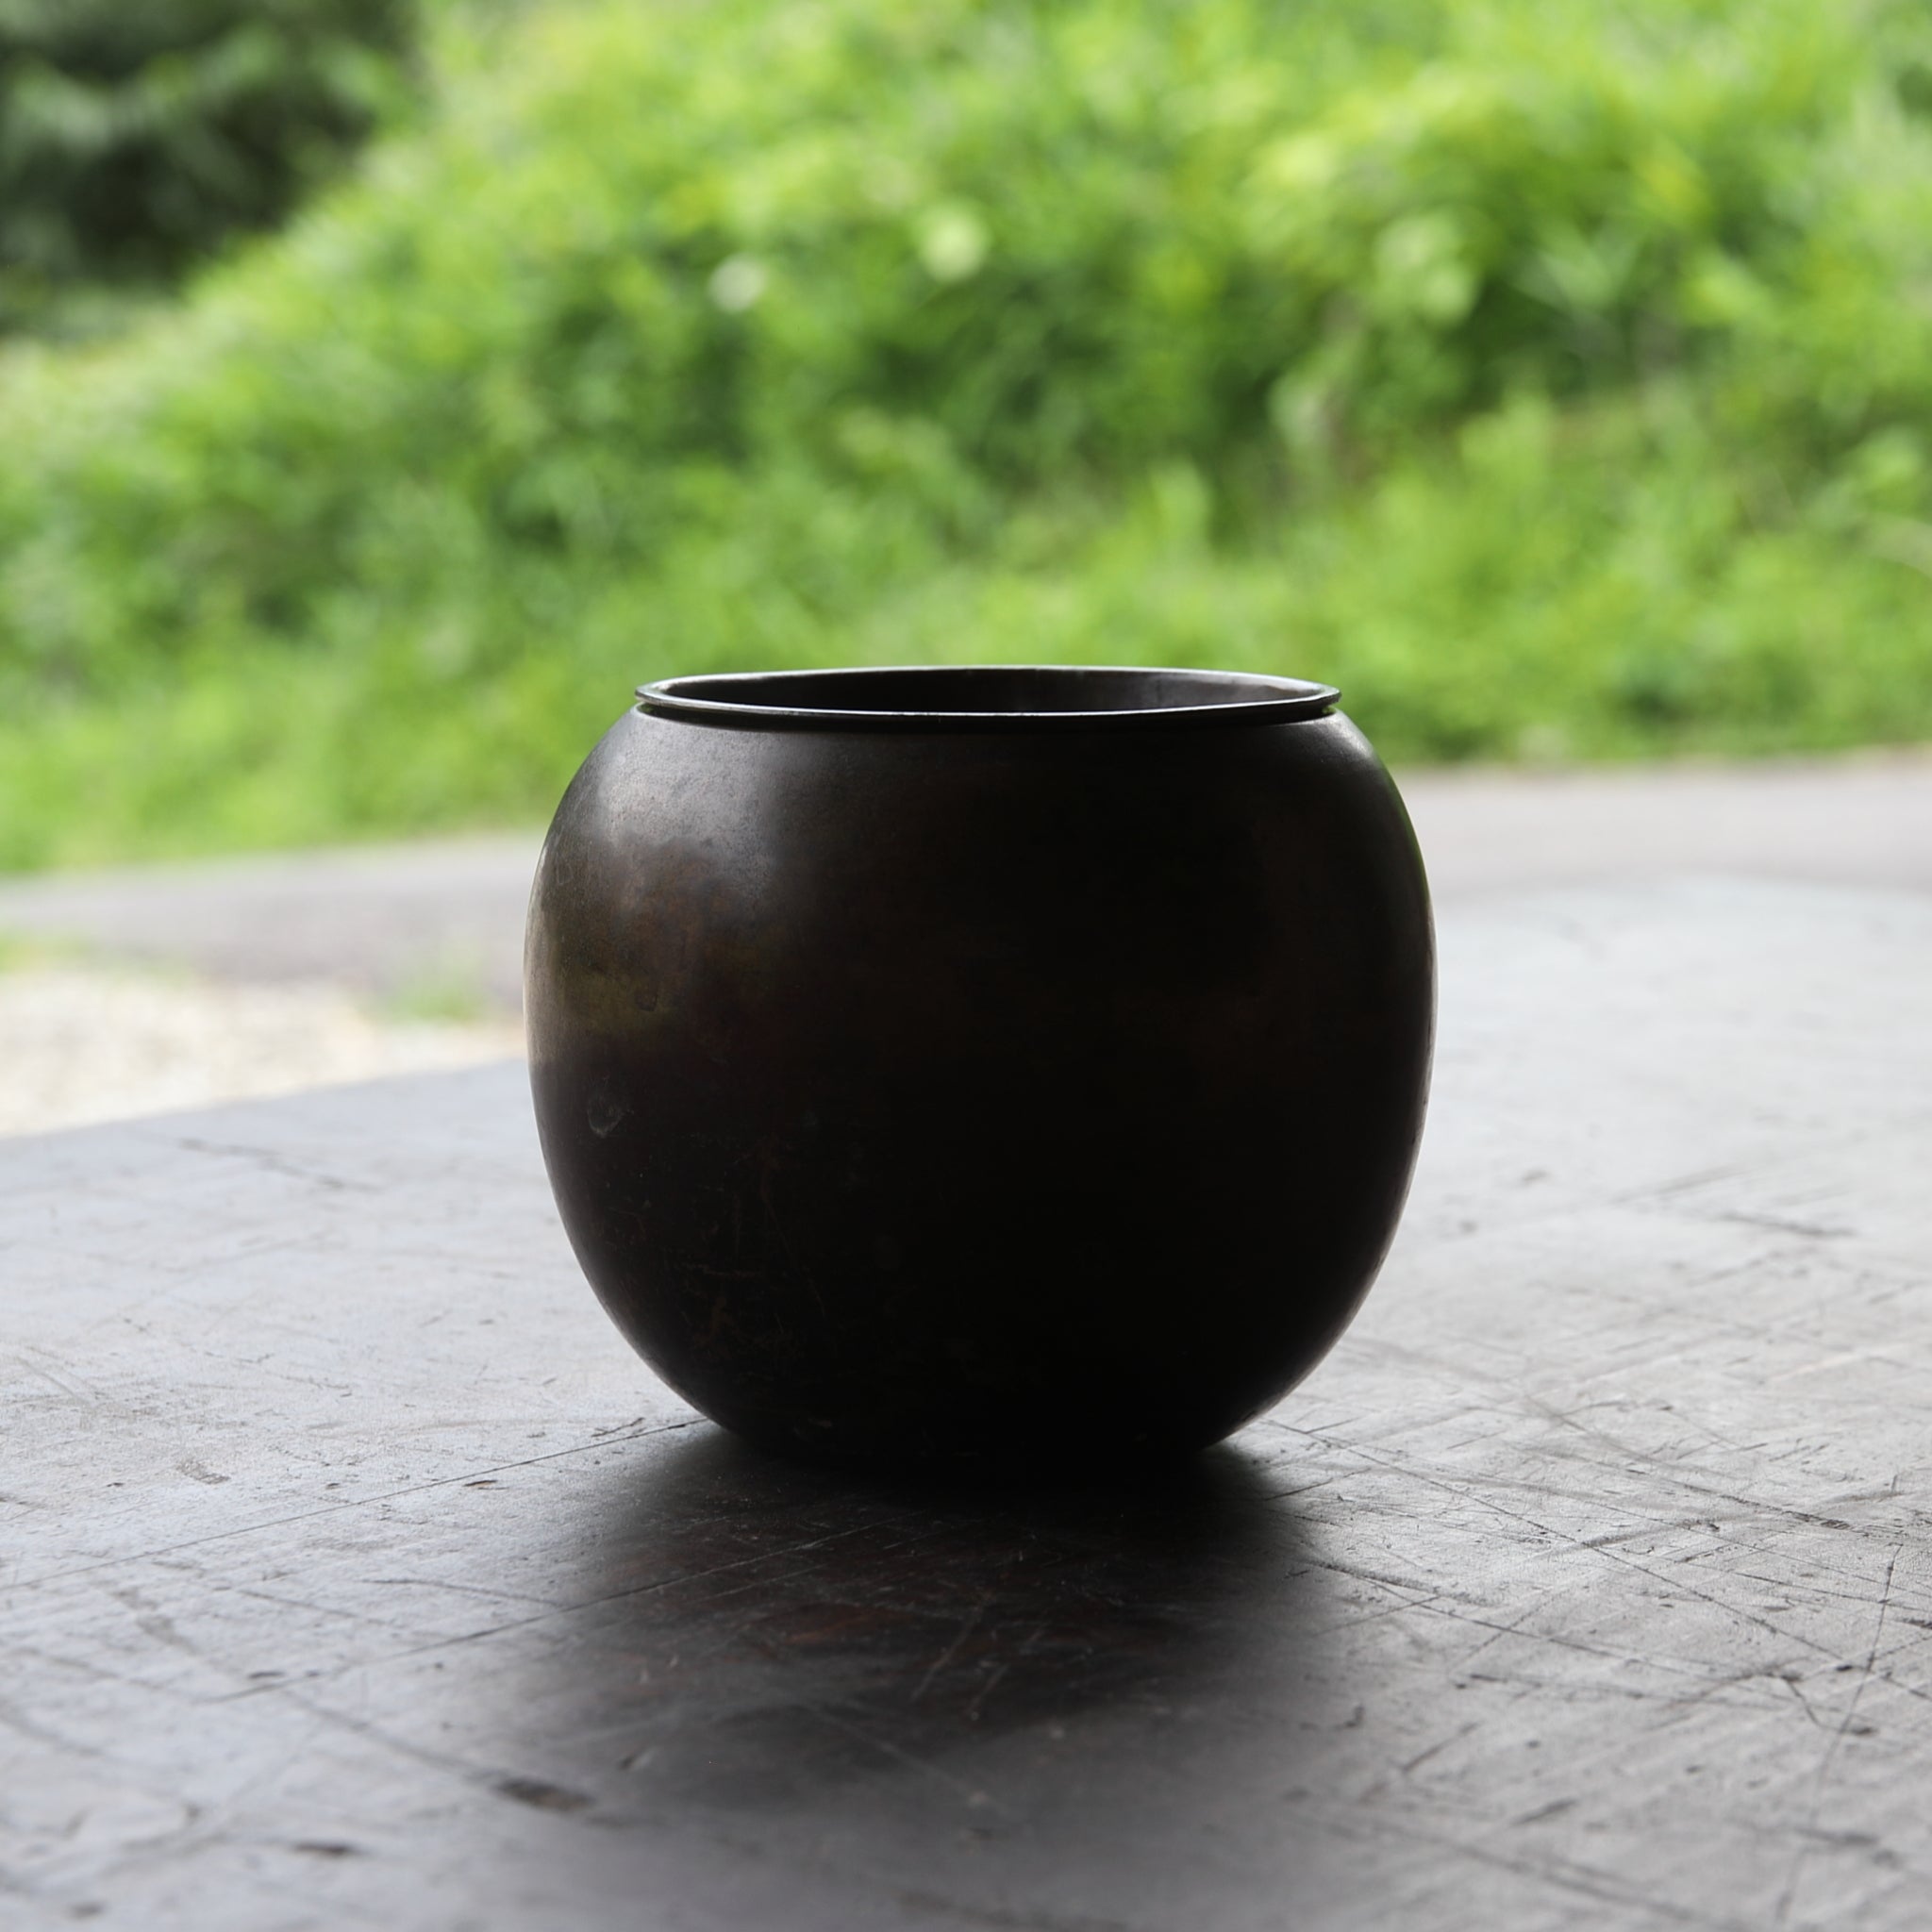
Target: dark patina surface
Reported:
[(969, 1064)]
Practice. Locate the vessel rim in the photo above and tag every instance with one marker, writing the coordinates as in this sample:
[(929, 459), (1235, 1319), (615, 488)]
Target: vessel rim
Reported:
[(727, 698)]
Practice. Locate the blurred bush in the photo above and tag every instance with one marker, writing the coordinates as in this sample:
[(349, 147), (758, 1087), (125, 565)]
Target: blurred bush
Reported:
[(137, 138), (1553, 378)]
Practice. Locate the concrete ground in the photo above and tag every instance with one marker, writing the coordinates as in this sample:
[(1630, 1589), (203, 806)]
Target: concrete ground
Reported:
[(139, 989)]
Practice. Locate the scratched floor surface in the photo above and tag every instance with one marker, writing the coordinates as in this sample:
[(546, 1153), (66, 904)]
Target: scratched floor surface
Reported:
[(353, 1573)]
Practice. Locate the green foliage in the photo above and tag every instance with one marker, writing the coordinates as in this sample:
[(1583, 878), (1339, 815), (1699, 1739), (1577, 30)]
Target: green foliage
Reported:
[(135, 138), (1551, 378)]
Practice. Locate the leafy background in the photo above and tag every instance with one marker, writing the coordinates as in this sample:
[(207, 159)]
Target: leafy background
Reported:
[(1550, 376), (134, 140)]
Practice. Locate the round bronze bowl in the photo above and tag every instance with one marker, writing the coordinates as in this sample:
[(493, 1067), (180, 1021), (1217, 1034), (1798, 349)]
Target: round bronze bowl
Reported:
[(981, 1065)]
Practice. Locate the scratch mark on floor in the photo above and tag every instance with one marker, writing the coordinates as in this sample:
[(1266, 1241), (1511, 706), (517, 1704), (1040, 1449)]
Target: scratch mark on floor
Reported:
[(1837, 1743)]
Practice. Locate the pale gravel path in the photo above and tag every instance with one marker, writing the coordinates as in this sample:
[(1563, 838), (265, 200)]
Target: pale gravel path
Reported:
[(86, 1044)]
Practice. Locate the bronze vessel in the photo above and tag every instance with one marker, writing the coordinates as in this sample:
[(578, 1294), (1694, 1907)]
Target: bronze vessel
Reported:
[(981, 1066)]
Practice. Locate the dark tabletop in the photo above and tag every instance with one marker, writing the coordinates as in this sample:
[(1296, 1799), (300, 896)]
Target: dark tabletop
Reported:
[(353, 1572)]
